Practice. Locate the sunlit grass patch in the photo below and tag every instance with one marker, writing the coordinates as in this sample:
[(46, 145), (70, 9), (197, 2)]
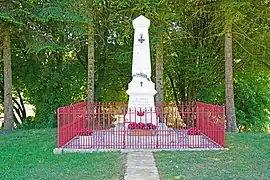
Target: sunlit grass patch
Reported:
[(248, 157)]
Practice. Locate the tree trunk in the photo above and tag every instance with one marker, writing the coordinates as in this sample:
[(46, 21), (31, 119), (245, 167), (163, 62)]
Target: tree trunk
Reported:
[(91, 77), (8, 112), (159, 71), (159, 77), (91, 67), (230, 111)]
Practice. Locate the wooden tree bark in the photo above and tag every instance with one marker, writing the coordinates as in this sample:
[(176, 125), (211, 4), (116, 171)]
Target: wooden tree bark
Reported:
[(159, 77), (159, 71), (91, 76), (8, 108), (230, 111), (91, 63), (91, 67)]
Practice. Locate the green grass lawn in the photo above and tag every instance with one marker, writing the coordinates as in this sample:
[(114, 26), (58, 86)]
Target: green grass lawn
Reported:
[(248, 157), (28, 154)]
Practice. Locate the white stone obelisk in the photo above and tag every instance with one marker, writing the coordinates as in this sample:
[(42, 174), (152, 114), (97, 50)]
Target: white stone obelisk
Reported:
[(141, 90)]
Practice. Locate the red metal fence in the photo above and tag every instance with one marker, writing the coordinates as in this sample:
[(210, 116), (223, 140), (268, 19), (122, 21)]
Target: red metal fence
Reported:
[(71, 119), (167, 126), (211, 121)]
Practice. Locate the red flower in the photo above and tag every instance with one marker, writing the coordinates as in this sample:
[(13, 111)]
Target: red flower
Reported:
[(140, 125), (151, 126), (132, 125), (193, 131)]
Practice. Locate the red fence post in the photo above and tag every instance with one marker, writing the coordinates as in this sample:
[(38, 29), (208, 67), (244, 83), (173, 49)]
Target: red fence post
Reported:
[(198, 125), (58, 128)]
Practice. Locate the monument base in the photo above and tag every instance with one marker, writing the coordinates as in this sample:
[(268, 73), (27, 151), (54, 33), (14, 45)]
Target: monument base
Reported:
[(141, 105)]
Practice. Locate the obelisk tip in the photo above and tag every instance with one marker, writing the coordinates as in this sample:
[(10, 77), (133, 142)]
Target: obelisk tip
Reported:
[(141, 21)]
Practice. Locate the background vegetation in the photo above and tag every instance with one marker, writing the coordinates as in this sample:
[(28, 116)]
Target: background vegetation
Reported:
[(49, 50)]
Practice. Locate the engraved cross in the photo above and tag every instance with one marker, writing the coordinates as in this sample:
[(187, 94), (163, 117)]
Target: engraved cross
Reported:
[(141, 40)]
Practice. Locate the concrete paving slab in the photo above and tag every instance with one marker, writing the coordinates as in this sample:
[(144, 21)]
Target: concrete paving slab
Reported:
[(141, 166)]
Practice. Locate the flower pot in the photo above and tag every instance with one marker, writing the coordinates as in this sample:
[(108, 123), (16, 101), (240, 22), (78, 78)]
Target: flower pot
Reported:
[(194, 141), (142, 132)]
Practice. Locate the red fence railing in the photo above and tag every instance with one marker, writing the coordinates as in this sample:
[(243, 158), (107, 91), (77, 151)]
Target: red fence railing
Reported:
[(211, 121), (111, 125), (71, 120)]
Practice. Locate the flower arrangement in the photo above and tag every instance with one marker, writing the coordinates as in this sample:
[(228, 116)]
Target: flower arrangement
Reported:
[(85, 132), (193, 131), (135, 125)]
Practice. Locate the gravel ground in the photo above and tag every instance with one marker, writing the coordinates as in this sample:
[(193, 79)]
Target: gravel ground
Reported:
[(115, 139)]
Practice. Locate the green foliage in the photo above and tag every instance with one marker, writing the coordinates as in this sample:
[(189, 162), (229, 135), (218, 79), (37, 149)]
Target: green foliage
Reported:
[(253, 103), (195, 56), (27, 123), (61, 11), (49, 52), (52, 84), (214, 94), (17, 12)]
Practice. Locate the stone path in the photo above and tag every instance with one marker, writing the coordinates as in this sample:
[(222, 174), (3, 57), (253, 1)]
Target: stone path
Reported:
[(141, 166)]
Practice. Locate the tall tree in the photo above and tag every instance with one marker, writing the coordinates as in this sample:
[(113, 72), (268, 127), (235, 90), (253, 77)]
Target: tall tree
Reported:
[(91, 49), (12, 14), (230, 110), (232, 15), (8, 107), (159, 69), (159, 76)]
